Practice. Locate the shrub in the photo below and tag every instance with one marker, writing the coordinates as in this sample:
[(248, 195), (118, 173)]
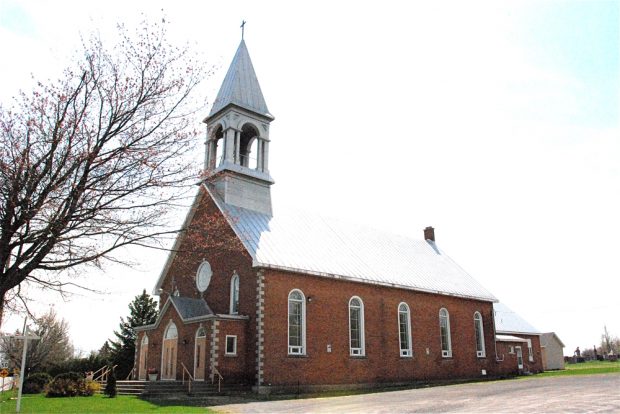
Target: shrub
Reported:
[(71, 375), (90, 388), (70, 384), (36, 383), (62, 387)]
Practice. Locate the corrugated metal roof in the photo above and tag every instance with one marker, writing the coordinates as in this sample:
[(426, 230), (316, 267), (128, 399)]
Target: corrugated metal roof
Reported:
[(240, 86), (304, 242), (507, 321)]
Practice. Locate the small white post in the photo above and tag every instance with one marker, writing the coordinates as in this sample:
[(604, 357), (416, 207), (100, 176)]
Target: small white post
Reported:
[(22, 371)]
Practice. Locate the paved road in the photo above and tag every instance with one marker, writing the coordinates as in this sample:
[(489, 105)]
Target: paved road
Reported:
[(575, 394)]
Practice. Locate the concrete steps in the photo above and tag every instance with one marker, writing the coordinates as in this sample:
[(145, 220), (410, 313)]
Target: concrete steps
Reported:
[(166, 390)]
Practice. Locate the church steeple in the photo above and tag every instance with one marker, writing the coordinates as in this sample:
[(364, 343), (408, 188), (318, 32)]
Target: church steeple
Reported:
[(237, 146), (240, 86)]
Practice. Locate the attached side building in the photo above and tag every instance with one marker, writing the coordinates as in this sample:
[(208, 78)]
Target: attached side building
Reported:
[(518, 342)]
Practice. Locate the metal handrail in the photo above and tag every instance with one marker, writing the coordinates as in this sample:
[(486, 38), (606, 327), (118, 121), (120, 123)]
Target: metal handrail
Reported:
[(219, 379), (94, 374), (104, 375), (190, 378)]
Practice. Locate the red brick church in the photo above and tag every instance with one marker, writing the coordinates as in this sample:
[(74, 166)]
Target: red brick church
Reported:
[(278, 299)]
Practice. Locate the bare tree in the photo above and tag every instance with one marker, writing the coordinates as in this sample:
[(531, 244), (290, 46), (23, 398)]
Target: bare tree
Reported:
[(93, 162), (53, 348), (610, 344)]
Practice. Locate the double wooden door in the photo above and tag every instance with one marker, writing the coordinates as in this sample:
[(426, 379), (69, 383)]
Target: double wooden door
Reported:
[(169, 359)]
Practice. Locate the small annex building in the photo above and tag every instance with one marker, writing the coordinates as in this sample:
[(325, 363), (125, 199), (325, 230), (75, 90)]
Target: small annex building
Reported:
[(552, 351), (517, 342), (279, 299)]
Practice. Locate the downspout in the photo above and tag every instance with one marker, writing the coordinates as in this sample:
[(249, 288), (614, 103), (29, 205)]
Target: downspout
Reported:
[(495, 338)]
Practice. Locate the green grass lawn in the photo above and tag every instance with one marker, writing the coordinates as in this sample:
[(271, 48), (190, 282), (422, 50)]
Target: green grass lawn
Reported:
[(95, 404), (129, 404), (585, 368)]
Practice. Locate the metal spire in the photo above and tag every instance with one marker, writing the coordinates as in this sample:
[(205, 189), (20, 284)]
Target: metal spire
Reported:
[(242, 28)]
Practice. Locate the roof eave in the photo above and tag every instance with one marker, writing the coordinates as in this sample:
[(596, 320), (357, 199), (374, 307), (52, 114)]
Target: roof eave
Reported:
[(517, 333), (266, 116), (371, 282), (177, 244)]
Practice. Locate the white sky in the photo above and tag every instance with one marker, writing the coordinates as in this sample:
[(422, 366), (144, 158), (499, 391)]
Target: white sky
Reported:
[(495, 122)]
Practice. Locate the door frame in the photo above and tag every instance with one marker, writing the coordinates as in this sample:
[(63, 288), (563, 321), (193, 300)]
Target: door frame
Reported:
[(143, 360), (196, 353), (519, 352), (172, 344)]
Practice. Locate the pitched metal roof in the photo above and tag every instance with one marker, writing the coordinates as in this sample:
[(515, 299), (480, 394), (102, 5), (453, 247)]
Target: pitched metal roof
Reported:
[(507, 321), (306, 243), (547, 337), (189, 308), (240, 86)]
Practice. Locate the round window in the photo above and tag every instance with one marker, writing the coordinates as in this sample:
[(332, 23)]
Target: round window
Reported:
[(203, 276)]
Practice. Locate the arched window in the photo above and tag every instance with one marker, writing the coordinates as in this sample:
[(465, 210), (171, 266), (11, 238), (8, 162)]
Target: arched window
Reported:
[(234, 294), (171, 332), (404, 330), (201, 333), (296, 323), (356, 326), (248, 153), (480, 351), (218, 147), (444, 328)]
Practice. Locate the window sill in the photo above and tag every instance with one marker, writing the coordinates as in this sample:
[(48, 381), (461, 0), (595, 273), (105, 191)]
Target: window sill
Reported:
[(230, 355), (406, 357), (296, 356)]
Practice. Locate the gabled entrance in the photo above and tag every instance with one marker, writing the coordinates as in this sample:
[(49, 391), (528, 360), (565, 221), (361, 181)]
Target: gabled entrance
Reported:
[(169, 353)]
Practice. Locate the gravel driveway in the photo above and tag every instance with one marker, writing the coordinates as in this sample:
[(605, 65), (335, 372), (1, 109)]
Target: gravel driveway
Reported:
[(571, 394)]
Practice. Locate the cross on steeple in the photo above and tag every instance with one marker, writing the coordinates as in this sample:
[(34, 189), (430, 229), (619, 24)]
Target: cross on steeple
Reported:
[(242, 28)]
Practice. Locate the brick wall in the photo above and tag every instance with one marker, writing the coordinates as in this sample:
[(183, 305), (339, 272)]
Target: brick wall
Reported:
[(327, 323), (185, 351), (507, 354), (210, 238), (234, 369)]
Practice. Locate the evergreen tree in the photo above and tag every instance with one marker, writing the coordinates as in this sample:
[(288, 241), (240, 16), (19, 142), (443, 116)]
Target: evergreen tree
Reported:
[(110, 385), (142, 311), (105, 352)]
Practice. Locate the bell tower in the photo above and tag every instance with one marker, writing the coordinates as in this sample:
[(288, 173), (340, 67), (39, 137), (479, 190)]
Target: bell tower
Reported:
[(237, 146)]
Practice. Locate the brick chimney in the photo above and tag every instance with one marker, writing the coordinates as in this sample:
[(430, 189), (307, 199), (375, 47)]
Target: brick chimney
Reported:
[(429, 233)]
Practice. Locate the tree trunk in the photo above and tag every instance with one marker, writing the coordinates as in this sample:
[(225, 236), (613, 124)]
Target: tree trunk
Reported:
[(1, 308)]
